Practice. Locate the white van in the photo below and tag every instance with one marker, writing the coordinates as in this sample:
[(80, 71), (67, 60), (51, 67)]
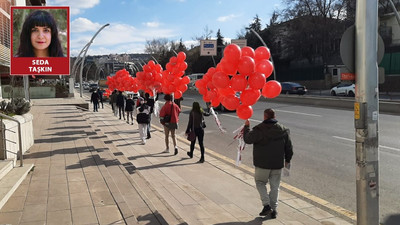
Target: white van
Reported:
[(193, 78)]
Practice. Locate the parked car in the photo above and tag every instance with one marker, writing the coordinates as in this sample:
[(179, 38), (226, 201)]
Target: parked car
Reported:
[(346, 89), (293, 88), (76, 85), (93, 87)]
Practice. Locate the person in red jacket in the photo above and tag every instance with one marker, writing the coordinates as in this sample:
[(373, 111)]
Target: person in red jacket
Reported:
[(170, 110)]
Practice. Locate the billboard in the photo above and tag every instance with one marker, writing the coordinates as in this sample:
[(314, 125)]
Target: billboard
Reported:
[(40, 40)]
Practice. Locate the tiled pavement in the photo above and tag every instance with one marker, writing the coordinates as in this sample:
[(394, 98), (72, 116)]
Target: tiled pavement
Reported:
[(90, 168)]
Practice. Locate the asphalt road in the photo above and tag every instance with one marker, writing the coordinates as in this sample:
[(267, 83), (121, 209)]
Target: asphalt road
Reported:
[(324, 150)]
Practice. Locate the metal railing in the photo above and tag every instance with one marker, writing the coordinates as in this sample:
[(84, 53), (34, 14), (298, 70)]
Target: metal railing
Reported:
[(19, 137)]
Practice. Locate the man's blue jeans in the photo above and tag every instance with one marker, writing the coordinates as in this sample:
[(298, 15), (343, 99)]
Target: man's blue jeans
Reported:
[(262, 177)]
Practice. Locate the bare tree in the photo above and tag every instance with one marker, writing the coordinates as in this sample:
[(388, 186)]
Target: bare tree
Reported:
[(206, 35)]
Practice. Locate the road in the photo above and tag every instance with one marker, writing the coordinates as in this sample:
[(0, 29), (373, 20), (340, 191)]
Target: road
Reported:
[(324, 150)]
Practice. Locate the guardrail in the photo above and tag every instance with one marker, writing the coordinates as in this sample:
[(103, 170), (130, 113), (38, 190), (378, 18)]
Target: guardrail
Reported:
[(385, 106), (19, 136)]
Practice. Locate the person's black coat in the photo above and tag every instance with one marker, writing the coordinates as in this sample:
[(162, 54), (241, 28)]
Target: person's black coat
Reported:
[(120, 100)]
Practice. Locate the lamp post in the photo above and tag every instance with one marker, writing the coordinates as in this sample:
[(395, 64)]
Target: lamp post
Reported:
[(84, 51)]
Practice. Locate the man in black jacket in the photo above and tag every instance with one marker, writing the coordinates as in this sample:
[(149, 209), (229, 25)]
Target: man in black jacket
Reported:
[(272, 150)]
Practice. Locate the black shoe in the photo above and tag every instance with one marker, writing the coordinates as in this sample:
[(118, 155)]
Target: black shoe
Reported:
[(176, 151), (274, 213), (201, 160), (266, 211), (148, 136), (190, 154)]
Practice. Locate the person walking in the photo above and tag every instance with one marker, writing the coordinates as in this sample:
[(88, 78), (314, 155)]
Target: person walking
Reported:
[(196, 124), (171, 110), (272, 150), (129, 106), (113, 101), (150, 103), (143, 119), (94, 98), (100, 92), (121, 104)]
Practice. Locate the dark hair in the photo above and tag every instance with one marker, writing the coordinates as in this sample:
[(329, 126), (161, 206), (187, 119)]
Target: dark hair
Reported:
[(196, 107), (42, 19), (269, 113), (167, 97)]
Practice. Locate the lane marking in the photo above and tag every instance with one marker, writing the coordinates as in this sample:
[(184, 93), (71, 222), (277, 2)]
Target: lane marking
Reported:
[(380, 146), (299, 113)]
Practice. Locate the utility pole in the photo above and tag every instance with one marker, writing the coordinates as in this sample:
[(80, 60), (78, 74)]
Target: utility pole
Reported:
[(366, 112)]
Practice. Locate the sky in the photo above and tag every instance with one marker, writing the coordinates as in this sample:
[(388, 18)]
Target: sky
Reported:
[(132, 22)]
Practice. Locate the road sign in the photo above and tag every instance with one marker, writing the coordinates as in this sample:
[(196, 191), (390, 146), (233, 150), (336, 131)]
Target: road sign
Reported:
[(347, 49), (208, 47), (240, 42)]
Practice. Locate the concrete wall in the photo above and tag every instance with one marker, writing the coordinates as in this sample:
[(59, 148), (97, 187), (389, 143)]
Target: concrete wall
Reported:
[(10, 135)]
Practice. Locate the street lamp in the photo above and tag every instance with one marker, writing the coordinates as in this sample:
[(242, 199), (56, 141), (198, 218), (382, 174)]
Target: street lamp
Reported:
[(84, 51)]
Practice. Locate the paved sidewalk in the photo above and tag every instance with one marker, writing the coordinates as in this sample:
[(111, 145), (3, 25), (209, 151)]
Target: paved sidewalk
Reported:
[(90, 168)]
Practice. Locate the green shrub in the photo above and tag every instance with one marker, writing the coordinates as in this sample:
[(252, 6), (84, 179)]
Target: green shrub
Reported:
[(17, 106)]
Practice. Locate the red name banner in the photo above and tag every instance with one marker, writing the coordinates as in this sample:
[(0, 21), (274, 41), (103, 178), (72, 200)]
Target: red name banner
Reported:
[(40, 50), (40, 66)]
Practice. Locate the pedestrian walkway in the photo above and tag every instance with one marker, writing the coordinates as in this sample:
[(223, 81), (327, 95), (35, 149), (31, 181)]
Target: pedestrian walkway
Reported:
[(91, 168)]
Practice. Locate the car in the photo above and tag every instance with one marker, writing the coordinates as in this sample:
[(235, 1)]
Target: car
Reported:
[(76, 85), (193, 78), (93, 87), (293, 88), (345, 89)]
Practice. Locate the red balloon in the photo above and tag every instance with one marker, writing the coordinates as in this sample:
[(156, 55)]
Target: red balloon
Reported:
[(231, 102), (256, 80), (151, 63), (232, 53), (261, 53), (211, 94), (173, 60), (185, 80), (226, 91), (177, 94), (182, 88), (246, 65), (181, 57), (220, 79), (182, 66), (248, 51), (200, 84), (264, 66), (239, 83), (244, 112), (203, 90), (250, 96), (227, 67), (215, 102), (271, 89)]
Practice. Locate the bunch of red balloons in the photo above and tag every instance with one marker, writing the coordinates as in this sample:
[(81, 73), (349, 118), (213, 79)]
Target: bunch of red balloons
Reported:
[(122, 81), (150, 78), (173, 79), (237, 80)]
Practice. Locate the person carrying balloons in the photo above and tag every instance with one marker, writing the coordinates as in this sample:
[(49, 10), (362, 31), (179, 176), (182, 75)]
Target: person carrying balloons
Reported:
[(196, 124), (129, 106), (143, 119), (272, 150), (169, 118)]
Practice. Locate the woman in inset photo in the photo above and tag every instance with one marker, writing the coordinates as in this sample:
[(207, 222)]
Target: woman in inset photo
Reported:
[(39, 36)]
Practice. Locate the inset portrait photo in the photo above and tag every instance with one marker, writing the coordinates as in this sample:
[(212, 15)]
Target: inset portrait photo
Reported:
[(40, 41)]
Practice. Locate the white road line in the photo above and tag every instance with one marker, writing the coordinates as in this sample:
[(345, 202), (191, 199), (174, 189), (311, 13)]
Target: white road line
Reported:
[(299, 113), (380, 146)]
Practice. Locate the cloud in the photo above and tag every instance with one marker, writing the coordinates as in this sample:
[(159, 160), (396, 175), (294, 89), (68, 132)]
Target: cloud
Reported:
[(76, 5), (118, 37), (226, 18), (152, 24), (82, 25)]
